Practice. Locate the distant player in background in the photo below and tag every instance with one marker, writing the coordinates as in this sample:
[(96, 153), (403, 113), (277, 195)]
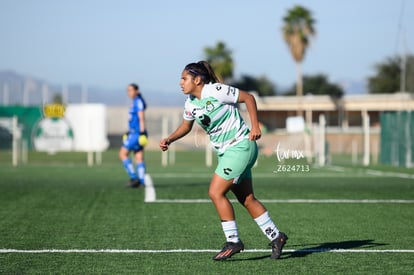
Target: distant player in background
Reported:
[(214, 106), (136, 139)]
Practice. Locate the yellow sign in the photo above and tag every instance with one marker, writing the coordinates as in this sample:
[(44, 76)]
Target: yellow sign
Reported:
[(54, 110)]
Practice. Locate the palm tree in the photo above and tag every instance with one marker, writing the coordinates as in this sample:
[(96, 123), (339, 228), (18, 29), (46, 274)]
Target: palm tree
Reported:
[(220, 60), (297, 30)]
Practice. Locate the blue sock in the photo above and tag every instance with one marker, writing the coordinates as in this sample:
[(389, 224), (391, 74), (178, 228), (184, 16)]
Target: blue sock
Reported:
[(129, 168), (141, 171)]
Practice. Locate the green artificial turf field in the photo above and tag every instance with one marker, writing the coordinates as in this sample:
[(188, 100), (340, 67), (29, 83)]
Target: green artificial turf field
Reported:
[(59, 216)]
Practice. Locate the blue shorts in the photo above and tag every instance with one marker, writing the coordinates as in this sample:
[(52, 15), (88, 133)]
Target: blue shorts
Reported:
[(131, 143)]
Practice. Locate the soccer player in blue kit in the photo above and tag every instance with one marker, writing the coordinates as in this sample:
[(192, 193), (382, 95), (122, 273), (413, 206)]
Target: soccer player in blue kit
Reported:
[(135, 139)]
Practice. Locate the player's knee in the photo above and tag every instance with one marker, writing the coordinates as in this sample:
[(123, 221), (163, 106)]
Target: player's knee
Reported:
[(139, 157), (215, 194), (212, 195), (122, 154), (248, 201)]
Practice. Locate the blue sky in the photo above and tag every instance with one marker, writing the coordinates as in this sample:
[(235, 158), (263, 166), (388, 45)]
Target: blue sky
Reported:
[(112, 43)]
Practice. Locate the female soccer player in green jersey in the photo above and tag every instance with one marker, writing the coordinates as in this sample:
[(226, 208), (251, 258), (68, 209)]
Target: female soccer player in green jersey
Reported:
[(214, 106)]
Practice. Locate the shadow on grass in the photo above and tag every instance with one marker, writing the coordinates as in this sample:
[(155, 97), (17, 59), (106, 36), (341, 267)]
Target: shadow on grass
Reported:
[(326, 247), (248, 259), (318, 248)]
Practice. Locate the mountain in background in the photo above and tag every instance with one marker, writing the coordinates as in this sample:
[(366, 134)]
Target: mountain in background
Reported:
[(18, 89), (352, 87)]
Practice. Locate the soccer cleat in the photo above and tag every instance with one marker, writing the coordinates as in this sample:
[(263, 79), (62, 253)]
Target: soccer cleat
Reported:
[(277, 245), (135, 183), (229, 250)]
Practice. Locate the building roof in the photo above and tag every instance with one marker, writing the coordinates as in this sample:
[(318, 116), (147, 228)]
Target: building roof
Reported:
[(368, 102)]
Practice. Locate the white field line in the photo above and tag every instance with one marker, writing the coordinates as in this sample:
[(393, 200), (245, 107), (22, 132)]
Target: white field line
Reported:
[(335, 171), (149, 251), (295, 201), (259, 175), (368, 172), (336, 168), (389, 174), (150, 195)]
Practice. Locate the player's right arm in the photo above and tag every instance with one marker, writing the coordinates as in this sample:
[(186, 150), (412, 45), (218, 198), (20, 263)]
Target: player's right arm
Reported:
[(181, 131)]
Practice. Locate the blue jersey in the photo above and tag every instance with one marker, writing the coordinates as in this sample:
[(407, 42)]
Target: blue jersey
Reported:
[(138, 104)]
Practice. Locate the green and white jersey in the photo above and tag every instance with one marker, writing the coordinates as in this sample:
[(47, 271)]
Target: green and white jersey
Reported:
[(217, 113)]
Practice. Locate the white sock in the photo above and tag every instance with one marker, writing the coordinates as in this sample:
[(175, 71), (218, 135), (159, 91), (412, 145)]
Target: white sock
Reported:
[(230, 231), (267, 226)]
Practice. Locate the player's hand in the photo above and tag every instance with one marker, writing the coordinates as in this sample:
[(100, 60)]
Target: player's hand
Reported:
[(255, 133), (125, 136), (143, 140), (164, 143)]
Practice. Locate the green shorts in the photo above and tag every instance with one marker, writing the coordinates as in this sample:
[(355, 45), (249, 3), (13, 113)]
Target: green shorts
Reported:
[(236, 162)]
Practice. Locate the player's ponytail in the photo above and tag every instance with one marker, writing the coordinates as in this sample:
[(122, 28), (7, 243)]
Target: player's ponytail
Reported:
[(136, 88), (143, 100), (203, 70), (209, 69)]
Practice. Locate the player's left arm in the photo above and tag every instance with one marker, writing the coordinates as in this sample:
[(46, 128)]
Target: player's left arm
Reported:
[(141, 117), (248, 99)]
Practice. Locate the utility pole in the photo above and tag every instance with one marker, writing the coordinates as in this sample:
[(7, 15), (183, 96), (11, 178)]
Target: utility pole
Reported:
[(403, 65)]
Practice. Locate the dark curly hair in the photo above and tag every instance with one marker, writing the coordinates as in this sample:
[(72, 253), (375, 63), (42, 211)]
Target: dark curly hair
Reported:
[(203, 70)]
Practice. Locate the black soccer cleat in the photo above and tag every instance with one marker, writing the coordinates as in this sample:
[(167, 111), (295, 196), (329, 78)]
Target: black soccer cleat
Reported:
[(229, 250), (135, 183), (277, 245)]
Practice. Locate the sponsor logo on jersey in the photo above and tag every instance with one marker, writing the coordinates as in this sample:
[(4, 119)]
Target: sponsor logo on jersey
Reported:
[(205, 120), (209, 106), (194, 112), (188, 113)]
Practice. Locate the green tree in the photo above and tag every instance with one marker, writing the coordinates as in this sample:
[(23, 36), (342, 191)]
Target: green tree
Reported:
[(262, 85), (318, 85), (220, 60), (387, 78), (298, 28)]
